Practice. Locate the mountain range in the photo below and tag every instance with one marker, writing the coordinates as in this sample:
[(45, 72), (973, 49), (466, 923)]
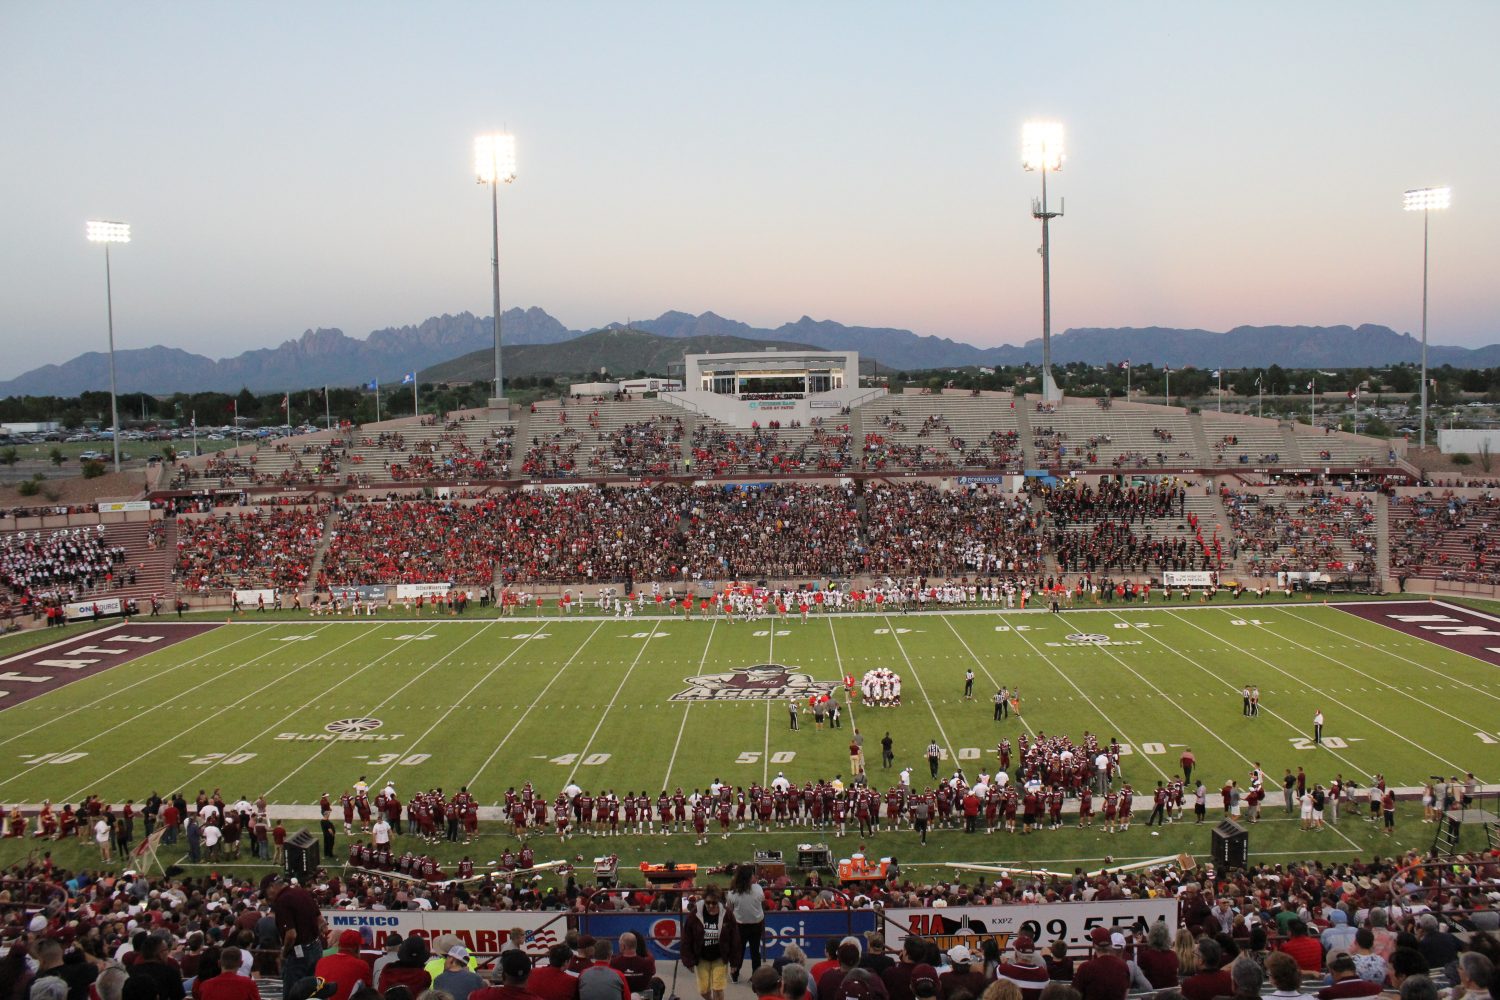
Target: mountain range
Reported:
[(329, 356)]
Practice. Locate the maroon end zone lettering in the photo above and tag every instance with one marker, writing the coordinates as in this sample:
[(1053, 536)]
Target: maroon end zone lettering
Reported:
[(1446, 625), (37, 671)]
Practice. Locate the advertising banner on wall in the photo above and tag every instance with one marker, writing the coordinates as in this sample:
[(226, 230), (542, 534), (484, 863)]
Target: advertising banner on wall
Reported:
[(482, 933), (1045, 922)]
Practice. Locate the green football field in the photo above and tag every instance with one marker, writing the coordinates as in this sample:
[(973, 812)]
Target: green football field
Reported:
[(297, 708)]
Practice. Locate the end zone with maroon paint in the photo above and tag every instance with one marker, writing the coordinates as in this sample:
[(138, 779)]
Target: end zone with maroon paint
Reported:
[(37, 671), (1448, 625)]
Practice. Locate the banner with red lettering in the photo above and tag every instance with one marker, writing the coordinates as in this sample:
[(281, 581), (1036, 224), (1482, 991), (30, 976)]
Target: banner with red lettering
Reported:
[(1045, 922), (482, 933)]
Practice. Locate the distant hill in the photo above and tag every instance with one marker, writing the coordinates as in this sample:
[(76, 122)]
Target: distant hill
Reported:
[(332, 357), (315, 358), (620, 352)]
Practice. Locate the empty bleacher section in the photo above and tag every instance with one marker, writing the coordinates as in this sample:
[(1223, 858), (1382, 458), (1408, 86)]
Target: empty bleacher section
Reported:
[(1081, 434), (1450, 536), (939, 433), (1236, 441), (248, 547), (1327, 447), (1111, 526), (1302, 530)]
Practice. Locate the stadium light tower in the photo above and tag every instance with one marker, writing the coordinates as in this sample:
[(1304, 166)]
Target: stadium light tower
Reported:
[(495, 164), (107, 233), (1042, 150), (1425, 200)]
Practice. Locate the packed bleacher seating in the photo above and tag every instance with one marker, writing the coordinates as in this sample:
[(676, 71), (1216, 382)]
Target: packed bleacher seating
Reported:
[(412, 541), (249, 548), (1446, 538), (1113, 526), (779, 531), (60, 563), (1303, 531), (918, 529)]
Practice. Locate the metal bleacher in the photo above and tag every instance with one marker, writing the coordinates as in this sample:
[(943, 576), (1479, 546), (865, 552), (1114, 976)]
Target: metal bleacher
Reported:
[(1088, 436), (940, 432)]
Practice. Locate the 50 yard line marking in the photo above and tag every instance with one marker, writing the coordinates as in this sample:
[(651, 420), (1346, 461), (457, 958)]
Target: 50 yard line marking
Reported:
[(645, 644), (666, 782), (474, 781)]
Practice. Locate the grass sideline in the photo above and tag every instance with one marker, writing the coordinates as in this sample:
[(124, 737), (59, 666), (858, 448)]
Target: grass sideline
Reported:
[(490, 703)]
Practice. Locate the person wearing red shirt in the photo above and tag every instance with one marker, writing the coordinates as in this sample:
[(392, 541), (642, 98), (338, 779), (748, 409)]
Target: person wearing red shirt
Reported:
[(1347, 984), (229, 984), (552, 981), (345, 966), (1307, 950), (1105, 976), (1212, 980), (515, 968)]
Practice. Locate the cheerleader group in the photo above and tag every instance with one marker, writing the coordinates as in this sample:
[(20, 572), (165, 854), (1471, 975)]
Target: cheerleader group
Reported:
[(880, 688)]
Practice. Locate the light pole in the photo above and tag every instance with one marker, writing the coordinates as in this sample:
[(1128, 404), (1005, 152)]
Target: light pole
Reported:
[(107, 233), (495, 164), (1042, 150), (1425, 200)]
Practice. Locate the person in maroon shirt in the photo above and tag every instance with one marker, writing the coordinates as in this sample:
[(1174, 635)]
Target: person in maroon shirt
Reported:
[(1212, 980), (1158, 962), (1105, 976), (515, 968), (552, 981), (1347, 983), (229, 984)]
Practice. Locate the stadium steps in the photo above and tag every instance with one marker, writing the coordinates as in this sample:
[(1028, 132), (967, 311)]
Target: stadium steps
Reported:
[(1383, 537), (1023, 425), (153, 566), (330, 524), (1291, 454), (1200, 436), (521, 442)]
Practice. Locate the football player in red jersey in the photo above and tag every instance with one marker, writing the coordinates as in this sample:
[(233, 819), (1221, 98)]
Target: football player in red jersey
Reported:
[(1127, 799), (700, 822), (1085, 806), (1111, 808)]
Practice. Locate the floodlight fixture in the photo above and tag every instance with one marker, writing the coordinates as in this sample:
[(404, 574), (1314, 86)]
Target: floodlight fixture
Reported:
[(495, 158), (1042, 146), (107, 232), (1427, 199)]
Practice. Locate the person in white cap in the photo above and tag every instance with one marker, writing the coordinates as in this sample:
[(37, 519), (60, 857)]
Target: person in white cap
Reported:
[(457, 979), (963, 975)]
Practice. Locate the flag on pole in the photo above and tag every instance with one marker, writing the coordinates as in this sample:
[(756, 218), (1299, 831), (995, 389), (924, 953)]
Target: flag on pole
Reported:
[(1310, 387), (1125, 365), (373, 385), (1354, 393), (1215, 374), (408, 378), (286, 401)]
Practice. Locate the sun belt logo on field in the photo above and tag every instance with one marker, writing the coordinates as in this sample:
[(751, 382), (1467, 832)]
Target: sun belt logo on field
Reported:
[(365, 725), (762, 682), (1087, 637)]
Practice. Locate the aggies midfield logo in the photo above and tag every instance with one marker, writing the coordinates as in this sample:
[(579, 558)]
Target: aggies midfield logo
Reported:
[(761, 682)]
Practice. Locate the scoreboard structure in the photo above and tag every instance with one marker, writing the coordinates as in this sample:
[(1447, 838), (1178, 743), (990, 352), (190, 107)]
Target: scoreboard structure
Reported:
[(750, 388)]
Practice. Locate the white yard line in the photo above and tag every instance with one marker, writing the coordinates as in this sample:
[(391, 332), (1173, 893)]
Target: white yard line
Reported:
[(666, 782), (273, 682), (384, 701), (765, 757), (838, 663), (980, 664), (952, 751), (474, 781), (1406, 659), (114, 696), (1353, 768), (1377, 680), (1299, 681), (461, 699), (1118, 733), (645, 644)]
